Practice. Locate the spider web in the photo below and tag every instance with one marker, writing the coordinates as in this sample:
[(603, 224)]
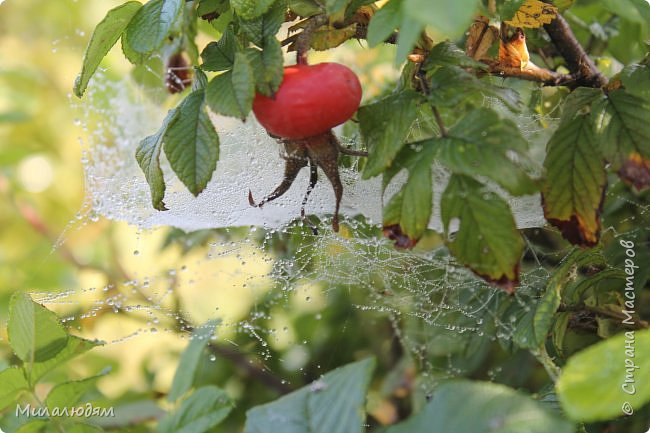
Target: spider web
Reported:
[(436, 306), (249, 159)]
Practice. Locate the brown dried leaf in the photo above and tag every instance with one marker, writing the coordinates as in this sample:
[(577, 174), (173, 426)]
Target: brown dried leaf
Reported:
[(394, 233), (513, 51), (481, 38)]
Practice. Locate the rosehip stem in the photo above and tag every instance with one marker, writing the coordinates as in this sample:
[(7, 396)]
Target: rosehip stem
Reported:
[(303, 41)]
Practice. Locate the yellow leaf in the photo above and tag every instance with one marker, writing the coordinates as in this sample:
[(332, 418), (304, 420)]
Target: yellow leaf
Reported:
[(533, 14)]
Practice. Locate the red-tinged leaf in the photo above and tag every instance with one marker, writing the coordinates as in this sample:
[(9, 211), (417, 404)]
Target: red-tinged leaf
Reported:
[(625, 126), (407, 213), (486, 240), (635, 171), (574, 188), (394, 233)]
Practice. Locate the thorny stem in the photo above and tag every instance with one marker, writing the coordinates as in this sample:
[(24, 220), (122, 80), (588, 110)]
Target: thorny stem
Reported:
[(303, 40)]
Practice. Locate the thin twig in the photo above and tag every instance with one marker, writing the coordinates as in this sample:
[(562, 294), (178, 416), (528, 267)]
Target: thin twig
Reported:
[(441, 124), (254, 369), (542, 75), (578, 61), (583, 308), (251, 367)]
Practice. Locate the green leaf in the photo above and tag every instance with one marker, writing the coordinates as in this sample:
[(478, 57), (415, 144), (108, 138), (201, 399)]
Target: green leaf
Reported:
[(487, 240), (13, 382), (305, 8), (625, 128), (636, 12), (409, 32), (68, 394), (575, 181), (546, 309), (220, 55), (190, 360), (384, 126), (579, 101), (266, 26), (563, 5), (636, 78), (411, 208), (575, 292), (75, 346), (147, 76), (192, 144), (524, 335), (558, 331), (105, 35), (482, 144), (148, 156), (35, 333), (129, 413), (83, 428), (507, 8), (557, 284), (384, 22), (204, 409), (250, 9), (200, 80), (486, 408), (267, 66), (35, 426), (452, 85), (335, 6), (210, 6), (151, 25), (232, 92), (447, 53), (592, 386), (222, 23), (447, 18), (335, 403)]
